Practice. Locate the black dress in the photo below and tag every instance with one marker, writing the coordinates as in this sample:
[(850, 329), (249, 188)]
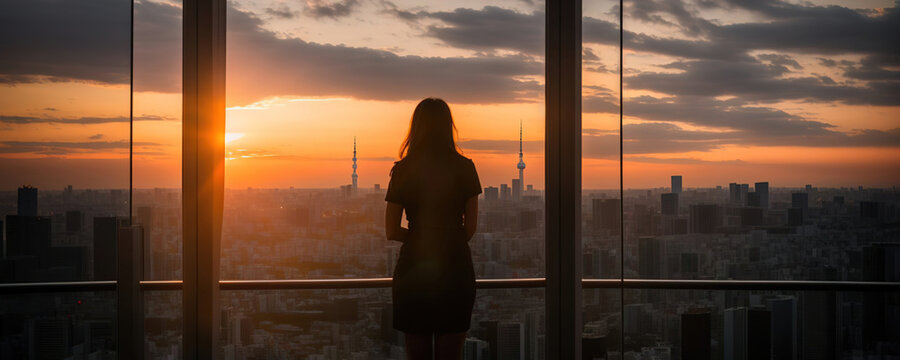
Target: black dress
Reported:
[(434, 282)]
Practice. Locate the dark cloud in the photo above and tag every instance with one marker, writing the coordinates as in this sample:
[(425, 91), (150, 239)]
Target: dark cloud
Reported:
[(45, 40), (312, 69), (491, 28), (21, 120), (67, 147), (157, 47), (282, 12), (780, 60), (874, 68), (660, 11), (330, 9), (95, 137), (756, 82)]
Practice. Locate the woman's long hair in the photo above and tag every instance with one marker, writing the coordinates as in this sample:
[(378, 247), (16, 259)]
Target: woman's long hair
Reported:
[(431, 131)]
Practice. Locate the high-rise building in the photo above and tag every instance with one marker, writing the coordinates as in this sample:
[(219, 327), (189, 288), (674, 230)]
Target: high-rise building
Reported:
[(762, 189), (516, 189), (354, 177), (521, 166), (669, 202), (759, 334), (27, 201), (695, 335), (605, 214), (650, 257), (737, 193), (784, 327), (735, 339), (504, 192), (676, 184), (510, 341), (475, 349), (491, 193), (704, 218), (105, 235), (800, 200)]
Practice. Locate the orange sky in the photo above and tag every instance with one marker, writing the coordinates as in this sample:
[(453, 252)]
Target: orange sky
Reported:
[(305, 139)]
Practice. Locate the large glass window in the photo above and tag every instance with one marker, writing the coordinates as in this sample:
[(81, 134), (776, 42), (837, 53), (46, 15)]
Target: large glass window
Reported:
[(747, 154), (319, 99), (64, 150)]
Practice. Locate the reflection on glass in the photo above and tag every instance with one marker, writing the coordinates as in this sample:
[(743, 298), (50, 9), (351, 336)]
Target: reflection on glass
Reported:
[(348, 324), (156, 188), (755, 143), (58, 326), (163, 321), (63, 138), (601, 214), (319, 99), (693, 324)]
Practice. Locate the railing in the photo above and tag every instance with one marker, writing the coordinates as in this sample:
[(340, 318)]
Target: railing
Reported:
[(371, 283)]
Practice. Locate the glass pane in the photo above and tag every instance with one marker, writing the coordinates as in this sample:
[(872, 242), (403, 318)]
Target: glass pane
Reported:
[(357, 323), (157, 136), (757, 138), (77, 325), (601, 218), (313, 86), (163, 322), (691, 324), (64, 137)]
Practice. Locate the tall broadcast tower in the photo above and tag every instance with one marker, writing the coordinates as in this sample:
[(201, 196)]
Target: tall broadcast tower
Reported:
[(354, 176), (521, 164)]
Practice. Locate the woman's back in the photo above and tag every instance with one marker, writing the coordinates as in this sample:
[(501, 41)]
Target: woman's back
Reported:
[(434, 190)]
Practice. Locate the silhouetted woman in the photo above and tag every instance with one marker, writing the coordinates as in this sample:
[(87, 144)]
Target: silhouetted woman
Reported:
[(434, 283)]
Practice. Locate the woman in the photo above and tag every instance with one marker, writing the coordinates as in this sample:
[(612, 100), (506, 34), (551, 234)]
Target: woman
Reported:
[(434, 282)]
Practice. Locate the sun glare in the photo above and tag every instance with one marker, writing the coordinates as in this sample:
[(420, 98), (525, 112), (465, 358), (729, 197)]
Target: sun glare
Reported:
[(229, 137)]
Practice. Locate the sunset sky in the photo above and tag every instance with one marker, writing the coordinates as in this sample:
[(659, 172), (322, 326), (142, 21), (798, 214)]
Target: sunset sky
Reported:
[(718, 91)]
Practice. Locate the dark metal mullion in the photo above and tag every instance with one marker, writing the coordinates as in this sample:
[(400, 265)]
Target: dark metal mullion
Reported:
[(202, 171), (563, 178)]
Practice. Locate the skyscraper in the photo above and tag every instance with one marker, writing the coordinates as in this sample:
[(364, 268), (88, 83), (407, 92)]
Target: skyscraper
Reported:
[(762, 190), (650, 257), (735, 333), (354, 177), (800, 200), (605, 214), (669, 203), (784, 327), (704, 218), (521, 166), (27, 201), (695, 335), (676, 183), (510, 341)]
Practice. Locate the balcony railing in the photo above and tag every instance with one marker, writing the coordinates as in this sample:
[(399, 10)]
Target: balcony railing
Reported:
[(372, 283)]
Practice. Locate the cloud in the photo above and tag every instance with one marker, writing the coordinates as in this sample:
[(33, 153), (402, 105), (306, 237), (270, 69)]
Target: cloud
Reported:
[(312, 69), (329, 9), (753, 81), (56, 148), (22, 120), (282, 12), (96, 137), (44, 40), (489, 29)]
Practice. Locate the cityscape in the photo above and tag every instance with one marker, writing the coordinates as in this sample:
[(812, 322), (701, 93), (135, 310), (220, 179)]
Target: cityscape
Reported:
[(719, 140), (738, 231)]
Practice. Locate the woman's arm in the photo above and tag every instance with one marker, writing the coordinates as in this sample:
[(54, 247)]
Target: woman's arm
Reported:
[(470, 217), (392, 228)]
